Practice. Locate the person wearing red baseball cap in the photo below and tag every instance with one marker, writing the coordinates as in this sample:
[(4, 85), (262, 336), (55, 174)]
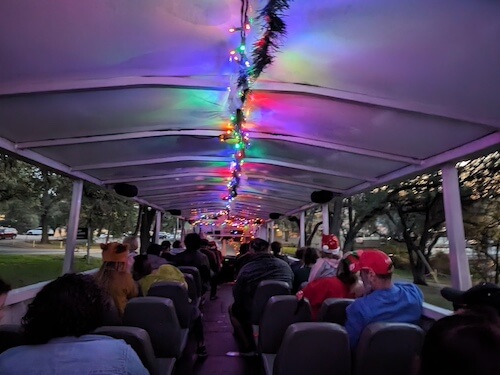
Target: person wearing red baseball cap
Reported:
[(385, 301)]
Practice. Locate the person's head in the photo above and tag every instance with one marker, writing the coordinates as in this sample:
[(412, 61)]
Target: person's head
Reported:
[(142, 267), (375, 268), (132, 242), (299, 254), (244, 248), (463, 343), (4, 289), (348, 269), (258, 245), (205, 243), (482, 294), (71, 305), (276, 247), (330, 247), (115, 255), (213, 245), (310, 256), (166, 245), (154, 249), (192, 241), (176, 244)]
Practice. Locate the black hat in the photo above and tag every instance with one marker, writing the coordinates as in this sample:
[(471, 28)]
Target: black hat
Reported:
[(482, 294)]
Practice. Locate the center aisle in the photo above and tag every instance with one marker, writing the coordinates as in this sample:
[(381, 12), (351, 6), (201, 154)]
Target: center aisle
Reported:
[(219, 340)]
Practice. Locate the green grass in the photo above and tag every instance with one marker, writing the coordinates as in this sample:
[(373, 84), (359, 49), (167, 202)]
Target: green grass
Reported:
[(22, 270), (289, 251)]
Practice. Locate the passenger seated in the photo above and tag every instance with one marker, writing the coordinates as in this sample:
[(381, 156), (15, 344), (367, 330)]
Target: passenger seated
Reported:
[(147, 276), (154, 257), (299, 254), (344, 285), (4, 289), (276, 250), (214, 267), (301, 273), (465, 343), (327, 265), (263, 266), (385, 301), (58, 324), (482, 294), (114, 276), (192, 256), (244, 256), (176, 248)]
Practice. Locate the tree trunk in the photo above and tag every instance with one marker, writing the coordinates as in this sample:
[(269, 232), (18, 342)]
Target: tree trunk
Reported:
[(336, 216), (418, 272), (45, 234), (349, 241), (311, 236)]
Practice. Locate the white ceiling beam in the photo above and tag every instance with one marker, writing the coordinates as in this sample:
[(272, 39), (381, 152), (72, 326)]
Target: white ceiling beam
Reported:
[(160, 177), (292, 182), (174, 159), (214, 84), (242, 193), (482, 145), (215, 174), (42, 160), (214, 133), (118, 137), (161, 191), (59, 167)]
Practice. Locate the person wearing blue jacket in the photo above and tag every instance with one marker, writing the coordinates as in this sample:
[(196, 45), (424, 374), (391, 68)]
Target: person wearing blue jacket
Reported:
[(384, 300)]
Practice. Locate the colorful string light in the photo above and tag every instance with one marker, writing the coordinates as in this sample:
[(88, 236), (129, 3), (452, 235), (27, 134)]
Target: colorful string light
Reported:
[(273, 28)]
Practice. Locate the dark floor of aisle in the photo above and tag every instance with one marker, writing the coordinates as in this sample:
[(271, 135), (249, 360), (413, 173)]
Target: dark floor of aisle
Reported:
[(219, 340)]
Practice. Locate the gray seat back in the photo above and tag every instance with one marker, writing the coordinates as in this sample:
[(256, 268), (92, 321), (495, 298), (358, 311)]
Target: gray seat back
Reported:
[(265, 290), (158, 317), (280, 312), (333, 310), (388, 349), (179, 296), (192, 291), (138, 339), (196, 275), (314, 349), (11, 335)]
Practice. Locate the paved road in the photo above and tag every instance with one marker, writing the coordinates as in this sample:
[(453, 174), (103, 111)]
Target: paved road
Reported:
[(24, 245)]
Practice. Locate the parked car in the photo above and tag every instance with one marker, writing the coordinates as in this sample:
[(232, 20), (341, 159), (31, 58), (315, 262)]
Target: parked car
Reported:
[(8, 233), (38, 232)]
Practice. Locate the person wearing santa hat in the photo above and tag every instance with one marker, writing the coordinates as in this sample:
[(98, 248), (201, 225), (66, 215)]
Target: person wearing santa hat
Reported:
[(327, 265)]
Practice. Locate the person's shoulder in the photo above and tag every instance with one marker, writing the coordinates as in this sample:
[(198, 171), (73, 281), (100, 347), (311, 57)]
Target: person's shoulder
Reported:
[(411, 290), (408, 287)]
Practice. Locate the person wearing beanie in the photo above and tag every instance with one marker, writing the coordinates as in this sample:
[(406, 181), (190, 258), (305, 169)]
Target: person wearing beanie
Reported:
[(384, 301), (330, 253), (115, 277)]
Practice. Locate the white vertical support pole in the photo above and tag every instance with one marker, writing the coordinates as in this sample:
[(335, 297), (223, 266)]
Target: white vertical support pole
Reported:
[(158, 217), (74, 218), (302, 229), (183, 230), (271, 235), (459, 264), (176, 227), (326, 218)]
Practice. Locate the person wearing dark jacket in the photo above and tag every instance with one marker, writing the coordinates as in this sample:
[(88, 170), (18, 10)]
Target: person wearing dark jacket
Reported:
[(263, 266), (192, 256)]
